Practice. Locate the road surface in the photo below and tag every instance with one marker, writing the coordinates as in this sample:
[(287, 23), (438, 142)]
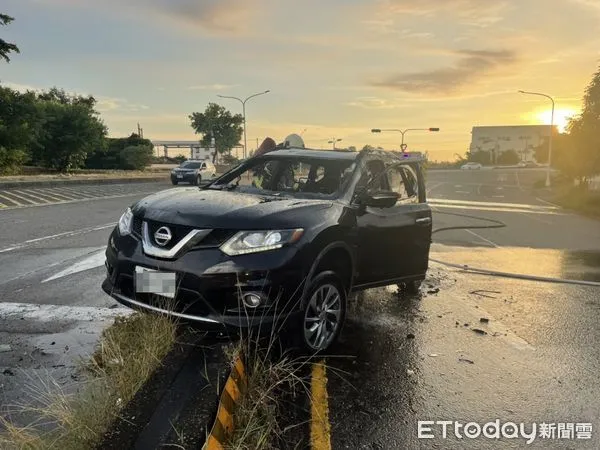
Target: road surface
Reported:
[(404, 359)]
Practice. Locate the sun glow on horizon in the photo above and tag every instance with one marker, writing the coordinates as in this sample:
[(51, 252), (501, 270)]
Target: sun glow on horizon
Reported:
[(561, 117)]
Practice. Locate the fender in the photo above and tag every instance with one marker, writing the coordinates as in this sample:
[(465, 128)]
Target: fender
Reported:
[(334, 245)]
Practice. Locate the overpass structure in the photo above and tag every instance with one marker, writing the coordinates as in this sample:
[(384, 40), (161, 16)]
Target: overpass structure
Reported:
[(197, 151)]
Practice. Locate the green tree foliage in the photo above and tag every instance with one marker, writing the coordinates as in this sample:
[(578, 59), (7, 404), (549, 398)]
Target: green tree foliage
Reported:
[(216, 121), (508, 158), (109, 156), (136, 157), (71, 130), (20, 127), (480, 157), (578, 156), (6, 47)]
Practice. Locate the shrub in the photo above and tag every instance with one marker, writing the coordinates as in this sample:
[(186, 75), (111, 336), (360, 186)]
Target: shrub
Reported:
[(136, 157), (11, 160)]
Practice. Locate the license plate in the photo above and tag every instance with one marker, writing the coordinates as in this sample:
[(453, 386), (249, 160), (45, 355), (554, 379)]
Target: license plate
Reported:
[(150, 281), (179, 176)]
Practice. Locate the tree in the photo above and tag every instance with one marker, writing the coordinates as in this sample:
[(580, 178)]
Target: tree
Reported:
[(71, 130), (110, 155), (216, 121), (368, 148), (136, 157), (7, 47), (579, 157), (20, 127), (480, 157), (508, 158)]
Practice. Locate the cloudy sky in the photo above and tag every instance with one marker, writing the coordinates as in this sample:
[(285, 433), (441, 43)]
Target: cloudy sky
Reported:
[(335, 68)]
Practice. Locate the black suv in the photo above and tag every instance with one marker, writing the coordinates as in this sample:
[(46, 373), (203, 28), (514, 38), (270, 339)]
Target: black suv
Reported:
[(282, 239)]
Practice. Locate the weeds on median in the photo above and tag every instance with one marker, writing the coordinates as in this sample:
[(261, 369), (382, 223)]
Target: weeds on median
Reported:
[(259, 409), (128, 352)]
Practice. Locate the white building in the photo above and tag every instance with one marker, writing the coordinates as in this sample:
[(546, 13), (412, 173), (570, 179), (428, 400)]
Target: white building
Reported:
[(523, 139)]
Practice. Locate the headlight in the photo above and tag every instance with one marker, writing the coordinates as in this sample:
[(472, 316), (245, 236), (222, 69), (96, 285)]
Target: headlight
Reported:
[(125, 222), (259, 241)]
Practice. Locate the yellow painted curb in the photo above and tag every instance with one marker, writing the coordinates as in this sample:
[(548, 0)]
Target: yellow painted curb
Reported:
[(224, 424), (320, 428)]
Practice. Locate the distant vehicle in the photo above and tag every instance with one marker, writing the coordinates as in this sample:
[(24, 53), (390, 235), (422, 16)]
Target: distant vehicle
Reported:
[(279, 253), (527, 164), (471, 166), (193, 172)]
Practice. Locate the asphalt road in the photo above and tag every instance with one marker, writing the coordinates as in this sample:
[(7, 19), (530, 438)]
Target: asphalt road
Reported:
[(402, 360), (538, 362)]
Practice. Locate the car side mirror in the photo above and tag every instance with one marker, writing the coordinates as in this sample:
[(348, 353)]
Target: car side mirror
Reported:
[(381, 199)]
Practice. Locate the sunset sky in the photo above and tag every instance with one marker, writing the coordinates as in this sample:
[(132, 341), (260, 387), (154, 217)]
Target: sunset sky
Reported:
[(335, 68)]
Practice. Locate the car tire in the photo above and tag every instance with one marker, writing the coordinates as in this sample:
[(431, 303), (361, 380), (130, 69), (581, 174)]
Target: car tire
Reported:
[(198, 180), (411, 287), (175, 182), (325, 290)]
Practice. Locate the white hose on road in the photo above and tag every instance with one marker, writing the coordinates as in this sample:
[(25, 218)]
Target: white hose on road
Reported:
[(519, 276)]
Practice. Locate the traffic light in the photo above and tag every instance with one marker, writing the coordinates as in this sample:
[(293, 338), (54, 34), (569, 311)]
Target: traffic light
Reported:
[(434, 129)]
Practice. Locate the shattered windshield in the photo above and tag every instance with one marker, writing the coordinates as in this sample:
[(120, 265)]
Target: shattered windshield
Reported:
[(297, 177)]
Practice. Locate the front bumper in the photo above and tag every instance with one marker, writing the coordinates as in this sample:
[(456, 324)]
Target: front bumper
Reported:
[(188, 177), (210, 285)]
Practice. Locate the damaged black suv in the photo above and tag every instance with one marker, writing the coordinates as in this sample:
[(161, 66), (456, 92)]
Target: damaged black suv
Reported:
[(277, 243)]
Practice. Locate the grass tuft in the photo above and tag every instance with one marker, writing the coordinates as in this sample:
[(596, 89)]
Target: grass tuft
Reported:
[(127, 354)]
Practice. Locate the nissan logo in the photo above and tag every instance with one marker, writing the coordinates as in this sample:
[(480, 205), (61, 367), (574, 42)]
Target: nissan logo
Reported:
[(163, 236)]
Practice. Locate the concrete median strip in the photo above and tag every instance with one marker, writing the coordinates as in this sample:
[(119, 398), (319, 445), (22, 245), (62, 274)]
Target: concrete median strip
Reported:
[(223, 428)]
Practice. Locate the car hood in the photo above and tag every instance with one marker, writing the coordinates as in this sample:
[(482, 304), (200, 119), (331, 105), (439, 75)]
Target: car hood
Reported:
[(226, 209)]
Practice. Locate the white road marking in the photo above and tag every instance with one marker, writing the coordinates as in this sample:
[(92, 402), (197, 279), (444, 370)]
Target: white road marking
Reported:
[(10, 200), (546, 202), (533, 217), (9, 194), (91, 262), (498, 196), (53, 313), (55, 236), (30, 197), (493, 244), (462, 192), (107, 197)]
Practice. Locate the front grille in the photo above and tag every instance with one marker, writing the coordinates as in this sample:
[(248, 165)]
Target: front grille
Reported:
[(177, 231), (137, 226), (215, 238)]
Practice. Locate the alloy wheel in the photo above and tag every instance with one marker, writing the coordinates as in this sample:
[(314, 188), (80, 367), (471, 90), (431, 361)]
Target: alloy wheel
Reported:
[(322, 317)]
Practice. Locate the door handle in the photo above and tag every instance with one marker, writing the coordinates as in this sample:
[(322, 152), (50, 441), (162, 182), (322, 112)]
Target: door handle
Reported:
[(423, 221)]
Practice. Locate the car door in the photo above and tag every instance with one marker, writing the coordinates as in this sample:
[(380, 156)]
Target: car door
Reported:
[(371, 247), (417, 218), (397, 238)]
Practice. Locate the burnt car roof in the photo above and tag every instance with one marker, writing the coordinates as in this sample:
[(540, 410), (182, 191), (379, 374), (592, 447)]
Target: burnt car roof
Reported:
[(309, 153)]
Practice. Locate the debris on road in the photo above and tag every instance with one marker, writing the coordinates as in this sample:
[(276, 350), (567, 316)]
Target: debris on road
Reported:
[(410, 372), (9, 372), (466, 360), (433, 355), (484, 320), (5, 348), (479, 331), (433, 291), (410, 336), (480, 292)]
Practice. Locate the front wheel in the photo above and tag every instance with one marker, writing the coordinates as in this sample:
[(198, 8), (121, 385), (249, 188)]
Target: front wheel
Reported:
[(198, 180), (411, 287), (323, 314), (174, 182)]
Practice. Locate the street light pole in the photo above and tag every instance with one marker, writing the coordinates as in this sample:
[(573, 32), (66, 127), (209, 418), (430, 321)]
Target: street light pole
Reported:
[(548, 183), (403, 132), (243, 102), (333, 141)]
